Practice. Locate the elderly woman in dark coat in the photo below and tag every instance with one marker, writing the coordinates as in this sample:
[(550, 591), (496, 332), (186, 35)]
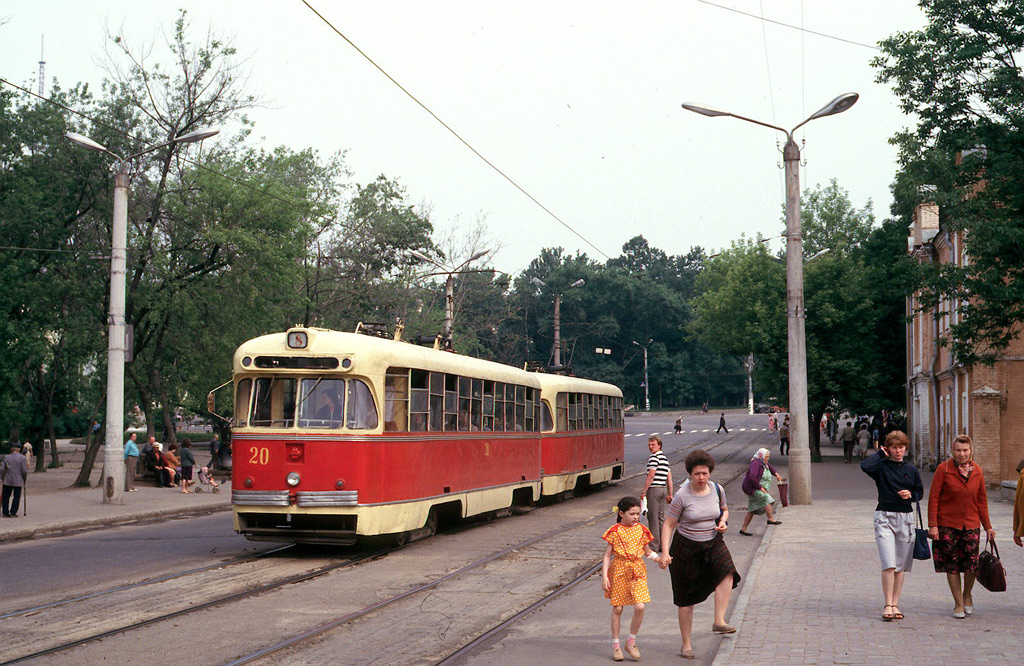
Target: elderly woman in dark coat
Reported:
[(755, 487)]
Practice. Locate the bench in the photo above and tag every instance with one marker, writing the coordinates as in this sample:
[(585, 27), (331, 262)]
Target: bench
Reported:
[(1008, 490)]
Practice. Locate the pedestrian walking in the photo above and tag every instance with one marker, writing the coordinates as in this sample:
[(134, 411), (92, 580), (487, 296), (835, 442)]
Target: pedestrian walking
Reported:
[(784, 437), (773, 423), (755, 486), (657, 489), (188, 461), (214, 453), (848, 437), (131, 460), (26, 450), (899, 486), (679, 425), (957, 510), (623, 573), (13, 472), (721, 425), (694, 550), (863, 441)]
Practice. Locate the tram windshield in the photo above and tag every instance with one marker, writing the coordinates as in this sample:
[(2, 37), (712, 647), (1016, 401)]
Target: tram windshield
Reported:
[(319, 402)]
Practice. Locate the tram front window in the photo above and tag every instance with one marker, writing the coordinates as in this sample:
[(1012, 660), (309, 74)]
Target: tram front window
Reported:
[(273, 405), (323, 403)]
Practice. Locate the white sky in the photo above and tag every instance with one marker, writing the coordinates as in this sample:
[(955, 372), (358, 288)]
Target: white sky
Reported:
[(577, 101)]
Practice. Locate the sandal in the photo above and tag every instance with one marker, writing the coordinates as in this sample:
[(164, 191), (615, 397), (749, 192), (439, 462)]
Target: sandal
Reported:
[(887, 616), (896, 614)]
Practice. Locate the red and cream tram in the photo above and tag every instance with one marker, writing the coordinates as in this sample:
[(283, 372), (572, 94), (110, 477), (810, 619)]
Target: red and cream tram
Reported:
[(338, 435)]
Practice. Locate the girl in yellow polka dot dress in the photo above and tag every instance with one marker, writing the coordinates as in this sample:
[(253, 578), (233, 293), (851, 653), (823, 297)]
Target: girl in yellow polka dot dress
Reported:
[(623, 574)]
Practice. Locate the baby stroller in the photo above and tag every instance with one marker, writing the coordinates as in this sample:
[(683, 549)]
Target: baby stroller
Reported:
[(206, 479)]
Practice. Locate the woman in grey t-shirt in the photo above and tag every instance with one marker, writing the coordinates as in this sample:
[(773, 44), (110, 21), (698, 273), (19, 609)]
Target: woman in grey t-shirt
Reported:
[(698, 560)]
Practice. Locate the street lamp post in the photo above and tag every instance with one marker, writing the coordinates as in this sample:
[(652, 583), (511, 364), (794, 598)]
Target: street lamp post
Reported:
[(449, 291), (800, 458), (556, 362), (647, 384), (113, 450)]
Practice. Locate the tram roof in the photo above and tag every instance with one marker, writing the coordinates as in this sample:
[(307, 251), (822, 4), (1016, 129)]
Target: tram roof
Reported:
[(372, 355), (559, 383)]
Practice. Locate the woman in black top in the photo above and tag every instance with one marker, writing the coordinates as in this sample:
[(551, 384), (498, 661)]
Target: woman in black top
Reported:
[(899, 486)]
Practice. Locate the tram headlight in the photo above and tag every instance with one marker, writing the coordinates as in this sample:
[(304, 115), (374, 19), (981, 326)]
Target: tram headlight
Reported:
[(293, 479)]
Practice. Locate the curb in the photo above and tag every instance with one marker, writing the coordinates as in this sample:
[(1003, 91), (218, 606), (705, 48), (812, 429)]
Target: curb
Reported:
[(723, 657), (73, 526)]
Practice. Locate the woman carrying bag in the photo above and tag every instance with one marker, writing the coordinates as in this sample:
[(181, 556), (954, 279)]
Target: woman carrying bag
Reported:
[(957, 510), (899, 486), (755, 486)]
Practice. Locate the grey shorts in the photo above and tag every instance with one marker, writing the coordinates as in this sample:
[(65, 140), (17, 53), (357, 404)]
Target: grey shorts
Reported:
[(894, 536)]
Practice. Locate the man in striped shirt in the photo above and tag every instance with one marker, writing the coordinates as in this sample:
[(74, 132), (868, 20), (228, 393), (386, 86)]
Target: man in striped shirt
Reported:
[(657, 489)]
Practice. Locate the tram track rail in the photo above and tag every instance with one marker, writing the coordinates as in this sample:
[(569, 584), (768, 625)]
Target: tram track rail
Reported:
[(260, 589), (297, 641)]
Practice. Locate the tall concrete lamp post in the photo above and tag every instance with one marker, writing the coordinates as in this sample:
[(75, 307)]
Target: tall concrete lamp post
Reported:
[(556, 362), (647, 384), (800, 456), (449, 291), (113, 450)]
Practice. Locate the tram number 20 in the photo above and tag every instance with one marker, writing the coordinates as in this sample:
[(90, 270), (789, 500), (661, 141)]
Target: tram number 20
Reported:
[(260, 455)]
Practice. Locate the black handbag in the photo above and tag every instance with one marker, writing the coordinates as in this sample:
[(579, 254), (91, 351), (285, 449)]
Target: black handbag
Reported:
[(991, 573), (921, 549)]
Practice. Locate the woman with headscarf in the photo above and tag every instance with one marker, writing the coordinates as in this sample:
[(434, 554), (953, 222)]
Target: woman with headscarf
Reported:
[(957, 510), (755, 485)]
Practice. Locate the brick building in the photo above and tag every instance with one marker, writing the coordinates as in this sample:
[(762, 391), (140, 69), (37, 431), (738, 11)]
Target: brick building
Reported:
[(944, 398)]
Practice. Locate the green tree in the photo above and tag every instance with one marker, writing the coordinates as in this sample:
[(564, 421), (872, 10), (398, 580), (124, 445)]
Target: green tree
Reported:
[(959, 77)]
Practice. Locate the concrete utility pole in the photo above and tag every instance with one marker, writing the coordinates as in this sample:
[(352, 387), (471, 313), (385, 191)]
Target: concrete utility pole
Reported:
[(449, 291), (800, 455), (556, 360), (113, 449)]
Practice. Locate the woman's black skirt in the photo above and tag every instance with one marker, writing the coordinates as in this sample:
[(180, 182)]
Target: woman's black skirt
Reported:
[(698, 567)]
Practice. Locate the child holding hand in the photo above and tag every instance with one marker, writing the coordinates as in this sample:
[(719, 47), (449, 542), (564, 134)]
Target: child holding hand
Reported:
[(623, 573)]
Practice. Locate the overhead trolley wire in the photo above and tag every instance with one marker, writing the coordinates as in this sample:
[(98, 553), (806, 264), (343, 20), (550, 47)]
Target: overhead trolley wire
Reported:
[(454, 133), (789, 25)]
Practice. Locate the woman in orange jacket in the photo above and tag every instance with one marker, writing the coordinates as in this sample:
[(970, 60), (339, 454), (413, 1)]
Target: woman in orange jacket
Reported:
[(957, 510)]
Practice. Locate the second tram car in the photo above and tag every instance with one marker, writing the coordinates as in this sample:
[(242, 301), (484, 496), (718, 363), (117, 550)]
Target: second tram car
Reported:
[(340, 435)]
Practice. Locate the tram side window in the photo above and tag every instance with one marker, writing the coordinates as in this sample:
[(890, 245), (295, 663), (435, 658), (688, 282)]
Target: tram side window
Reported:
[(477, 408), (437, 401), (591, 412), (520, 408), (451, 403), (362, 412), (488, 406), (531, 411), (273, 405), (499, 407), (562, 412), (242, 394), (322, 403), (396, 400), (419, 400), (465, 400), (546, 422)]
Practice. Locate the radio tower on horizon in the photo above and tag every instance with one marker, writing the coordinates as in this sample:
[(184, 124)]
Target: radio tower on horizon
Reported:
[(42, 68)]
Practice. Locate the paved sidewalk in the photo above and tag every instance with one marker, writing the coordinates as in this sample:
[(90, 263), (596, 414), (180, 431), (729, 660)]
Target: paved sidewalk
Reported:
[(54, 507), (813, 594)]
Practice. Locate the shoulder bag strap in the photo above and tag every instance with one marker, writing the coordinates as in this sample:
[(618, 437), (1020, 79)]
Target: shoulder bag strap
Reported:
[(920, 521)]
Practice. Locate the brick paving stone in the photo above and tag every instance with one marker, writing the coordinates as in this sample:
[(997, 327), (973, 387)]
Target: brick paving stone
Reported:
[(813, 595)]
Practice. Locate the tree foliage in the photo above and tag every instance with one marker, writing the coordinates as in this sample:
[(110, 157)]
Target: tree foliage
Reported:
[(960, 78)]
